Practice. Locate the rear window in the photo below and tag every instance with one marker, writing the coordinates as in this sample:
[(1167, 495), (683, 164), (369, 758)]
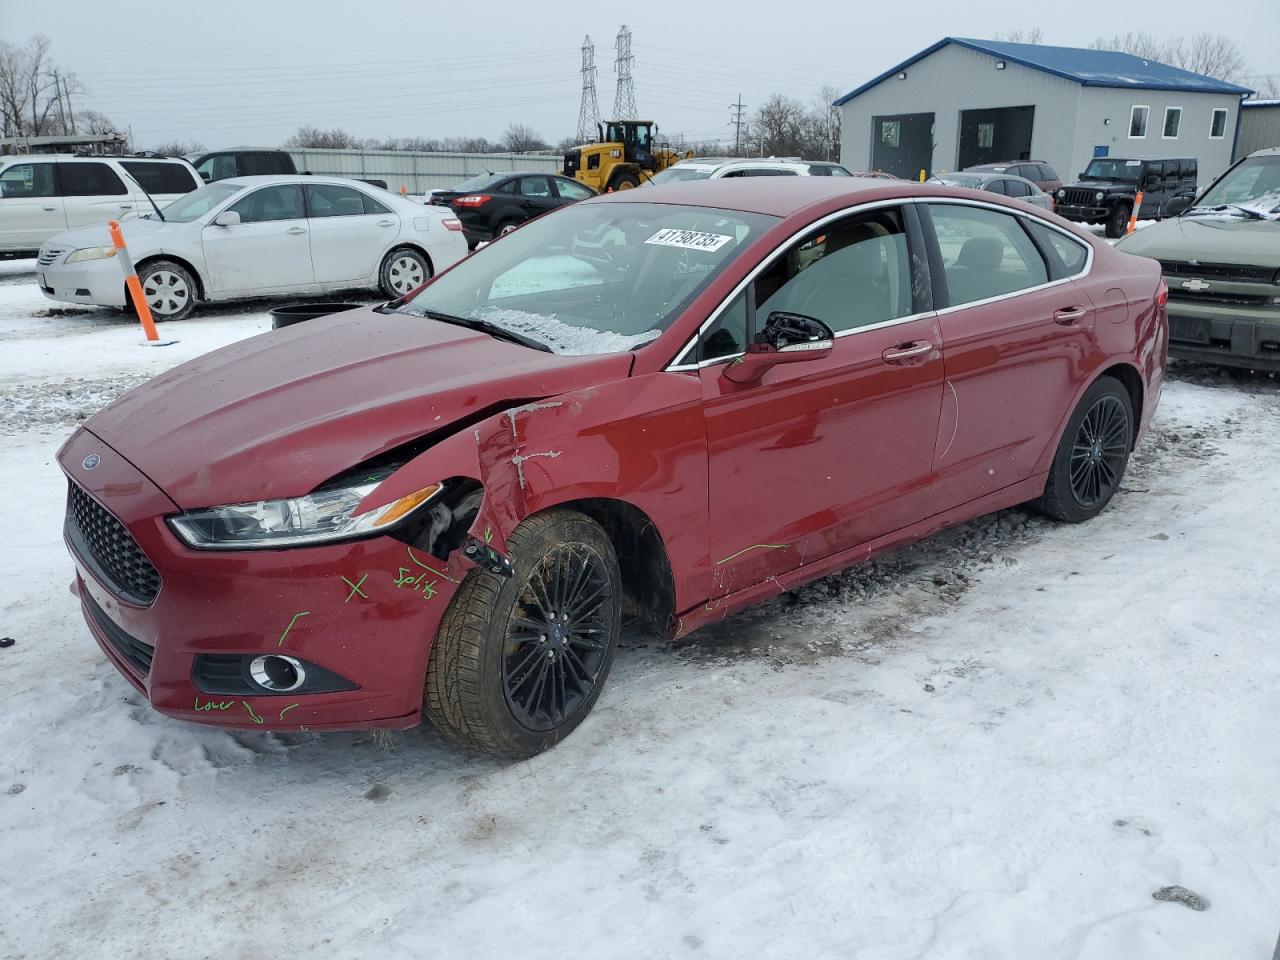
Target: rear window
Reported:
[(484, 181), (157, 177), (90, 180)]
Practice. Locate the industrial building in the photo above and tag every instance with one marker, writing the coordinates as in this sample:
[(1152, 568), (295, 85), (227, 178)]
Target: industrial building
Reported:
[(1259, 126), (962, 102)]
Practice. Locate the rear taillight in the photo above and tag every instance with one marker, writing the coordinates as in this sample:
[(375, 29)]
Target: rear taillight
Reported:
[(452, 223), (471, 200), (1162, 294)]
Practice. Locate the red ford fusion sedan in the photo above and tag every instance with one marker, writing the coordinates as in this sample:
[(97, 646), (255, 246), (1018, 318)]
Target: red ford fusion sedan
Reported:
[(668, 407)]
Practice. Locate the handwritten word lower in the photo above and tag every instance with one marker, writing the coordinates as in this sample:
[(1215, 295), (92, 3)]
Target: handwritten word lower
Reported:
[(215, 704)]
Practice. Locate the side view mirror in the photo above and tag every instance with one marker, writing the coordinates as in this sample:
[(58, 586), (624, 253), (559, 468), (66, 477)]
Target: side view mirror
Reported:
[(228, 218), (1176, 206), (786, 338)]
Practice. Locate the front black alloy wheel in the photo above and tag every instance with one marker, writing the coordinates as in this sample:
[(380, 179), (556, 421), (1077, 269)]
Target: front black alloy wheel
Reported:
[(1092, 456), (518, 662)]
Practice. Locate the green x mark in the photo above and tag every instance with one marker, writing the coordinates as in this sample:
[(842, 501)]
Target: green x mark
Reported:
[(355, 588)]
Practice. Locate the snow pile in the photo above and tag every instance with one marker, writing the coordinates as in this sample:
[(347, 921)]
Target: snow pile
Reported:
[(565, 338)]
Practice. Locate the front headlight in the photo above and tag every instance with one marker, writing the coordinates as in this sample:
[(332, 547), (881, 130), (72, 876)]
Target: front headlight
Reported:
[(1061, 193), (1099, 195), (91, 253), (319, 517)]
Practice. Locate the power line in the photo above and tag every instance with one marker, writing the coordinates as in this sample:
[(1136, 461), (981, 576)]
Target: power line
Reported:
[(589, 111), (624, 101), (736, 123)]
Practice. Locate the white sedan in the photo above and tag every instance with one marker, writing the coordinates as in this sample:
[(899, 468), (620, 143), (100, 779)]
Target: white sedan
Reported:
[(257, 237)]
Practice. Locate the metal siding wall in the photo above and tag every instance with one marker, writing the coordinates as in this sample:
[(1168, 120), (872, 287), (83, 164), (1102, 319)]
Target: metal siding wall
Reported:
[(1100, 103), (1259, 129), (418, 172), (955, 79)]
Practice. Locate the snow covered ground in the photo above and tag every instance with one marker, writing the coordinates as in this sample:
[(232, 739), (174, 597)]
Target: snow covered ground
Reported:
[(995, 744)]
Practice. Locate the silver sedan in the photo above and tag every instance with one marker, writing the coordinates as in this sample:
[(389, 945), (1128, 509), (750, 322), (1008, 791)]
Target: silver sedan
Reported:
[(257, 237), (1002, 183)]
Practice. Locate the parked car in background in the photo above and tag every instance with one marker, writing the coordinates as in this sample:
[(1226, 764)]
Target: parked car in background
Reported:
[(1221, 260), (1106, 191), (876, 174), (1005, 185), (42, 195), (1038, 172), (442, 508), (215, 165), (493, 204), (254, 237), (716, 168)]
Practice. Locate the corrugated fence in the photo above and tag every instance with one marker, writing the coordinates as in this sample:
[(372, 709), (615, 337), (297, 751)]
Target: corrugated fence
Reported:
[(417, 172)]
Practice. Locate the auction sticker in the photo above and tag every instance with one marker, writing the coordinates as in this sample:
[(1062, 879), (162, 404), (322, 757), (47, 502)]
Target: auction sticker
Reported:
[(689, 239)]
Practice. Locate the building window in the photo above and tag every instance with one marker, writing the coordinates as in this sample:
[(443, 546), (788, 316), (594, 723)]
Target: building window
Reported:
[(890, 133), (1172, 121), (986, 135), (1138, 122), (1218, 125)]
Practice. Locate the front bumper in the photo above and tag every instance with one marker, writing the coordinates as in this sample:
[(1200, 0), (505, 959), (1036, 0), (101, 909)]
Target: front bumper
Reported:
[(1081, 214), (96, 282), (366, 611), (1233, 336)]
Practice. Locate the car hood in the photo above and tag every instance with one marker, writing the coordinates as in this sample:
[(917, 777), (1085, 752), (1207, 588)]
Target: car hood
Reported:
[(1209, 238), (278, 414), (135, 228), (1104, 184)]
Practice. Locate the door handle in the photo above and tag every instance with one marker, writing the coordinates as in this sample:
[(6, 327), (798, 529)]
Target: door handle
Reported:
[(126, 206), (386, 223), (295, 231), (49, 209), (906, 351), (1068, 315)]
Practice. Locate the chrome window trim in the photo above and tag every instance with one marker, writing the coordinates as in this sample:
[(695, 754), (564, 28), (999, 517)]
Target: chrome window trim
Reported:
[(677, 366)]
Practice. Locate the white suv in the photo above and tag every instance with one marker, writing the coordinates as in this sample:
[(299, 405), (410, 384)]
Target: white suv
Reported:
[(41, 195), (715, 168)]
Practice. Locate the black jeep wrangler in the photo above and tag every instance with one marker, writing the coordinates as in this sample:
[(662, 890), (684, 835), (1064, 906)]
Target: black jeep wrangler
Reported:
[(1105, 191)]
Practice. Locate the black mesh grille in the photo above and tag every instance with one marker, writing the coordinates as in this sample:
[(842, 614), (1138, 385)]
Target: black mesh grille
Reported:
[(1219, 271), (1081, 197), (110, 549), (138, 654)]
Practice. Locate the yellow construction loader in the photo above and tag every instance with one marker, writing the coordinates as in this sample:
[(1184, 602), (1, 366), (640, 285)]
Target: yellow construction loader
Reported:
[(624, 157)]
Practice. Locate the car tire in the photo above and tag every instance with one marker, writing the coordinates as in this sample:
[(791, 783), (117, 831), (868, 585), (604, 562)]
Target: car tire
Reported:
[(488, 687), (404, 269), (168, 288), (624, 181), (1092, 455), (1117, 221), (505, 227)]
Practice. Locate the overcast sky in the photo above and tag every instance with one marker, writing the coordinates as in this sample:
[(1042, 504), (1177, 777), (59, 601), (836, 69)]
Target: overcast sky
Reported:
[(252, 72)]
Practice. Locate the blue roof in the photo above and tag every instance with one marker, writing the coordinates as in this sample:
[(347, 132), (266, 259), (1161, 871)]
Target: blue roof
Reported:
[(1090, 68)]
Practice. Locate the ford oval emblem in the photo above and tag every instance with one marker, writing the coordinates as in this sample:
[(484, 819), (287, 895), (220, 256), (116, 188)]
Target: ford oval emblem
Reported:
[(91, 461)]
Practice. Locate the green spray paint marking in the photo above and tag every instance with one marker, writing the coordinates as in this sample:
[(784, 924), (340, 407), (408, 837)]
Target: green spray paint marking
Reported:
[(215, 704), (488, 534), (252, 715), (355, 588), (442, 576), (405, 578), (296, 618), (287, 709), (754, 546)]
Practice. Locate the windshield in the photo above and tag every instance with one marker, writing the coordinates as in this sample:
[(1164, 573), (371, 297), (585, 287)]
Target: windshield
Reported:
[(679, 174), (959, 180), (1113, 170), (481, 182), (1255, 183), (196, 204), (593, 277)]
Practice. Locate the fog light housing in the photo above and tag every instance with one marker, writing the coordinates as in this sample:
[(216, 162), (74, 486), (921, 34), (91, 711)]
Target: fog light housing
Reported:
[(277, 673)]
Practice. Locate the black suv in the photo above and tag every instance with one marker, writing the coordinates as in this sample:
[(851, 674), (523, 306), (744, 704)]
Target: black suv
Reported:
[(1105, 191)]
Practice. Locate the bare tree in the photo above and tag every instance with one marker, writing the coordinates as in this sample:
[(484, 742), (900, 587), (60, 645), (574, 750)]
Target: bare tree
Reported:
[(1214, 55), (1034, 35), (178, 148), (34, 93), (778, 127), (522, 138), (335, 139), (828, 115)]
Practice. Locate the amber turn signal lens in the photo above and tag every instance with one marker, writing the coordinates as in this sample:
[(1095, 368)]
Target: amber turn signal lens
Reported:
[(402, 506)]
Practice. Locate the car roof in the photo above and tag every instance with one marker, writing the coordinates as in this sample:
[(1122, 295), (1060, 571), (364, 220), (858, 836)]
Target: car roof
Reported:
[(77, 158), (775, 196), (258, 180)]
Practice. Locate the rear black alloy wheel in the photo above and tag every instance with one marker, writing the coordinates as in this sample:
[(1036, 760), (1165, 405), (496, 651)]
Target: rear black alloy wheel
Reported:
[(1099, 453), (1092, 455), (555, 642), (518, 662), (1117, 221)]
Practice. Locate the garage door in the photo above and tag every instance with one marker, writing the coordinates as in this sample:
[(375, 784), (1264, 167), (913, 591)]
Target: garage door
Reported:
[(990, 136), (903, 144)]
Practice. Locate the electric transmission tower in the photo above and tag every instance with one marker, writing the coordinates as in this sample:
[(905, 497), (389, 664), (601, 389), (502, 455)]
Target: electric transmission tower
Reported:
[(589, 112), (624, 101), (737, 123)]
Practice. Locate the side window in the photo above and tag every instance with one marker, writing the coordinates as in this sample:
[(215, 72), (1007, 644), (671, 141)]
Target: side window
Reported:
[(1070, 255), (1172, 121), (1152, 174), (159, 177), (373, 206), (727, 337), (1138, 122), (255, 164), (534, 187), (998, 185), (818, 170), (331, 200), (1047, 172), (569, 190), (221, 166), (27, 180), (1189, 170), (1218, 125), (838, 171), (852, 274), (984, 253), (280, 202), (90, 180), (1016, 188)]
